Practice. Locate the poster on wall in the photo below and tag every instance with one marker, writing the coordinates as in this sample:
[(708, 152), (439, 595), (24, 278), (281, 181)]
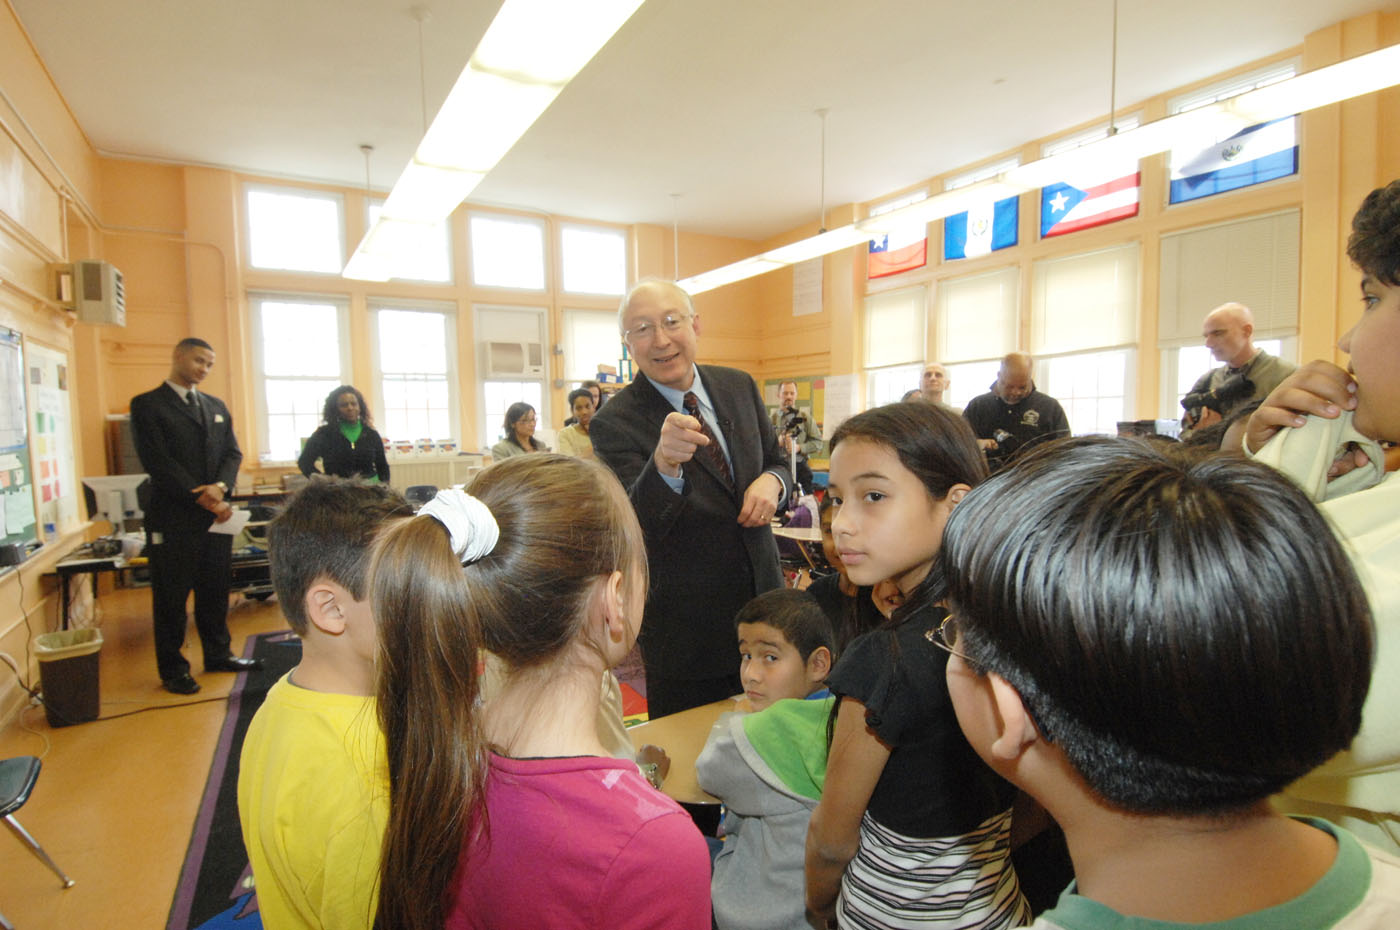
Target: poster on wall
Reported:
[(51, 438), (16, 492)]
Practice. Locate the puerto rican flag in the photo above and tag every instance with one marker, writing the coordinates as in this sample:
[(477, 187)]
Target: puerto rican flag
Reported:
[(983, 229), (1066, 208), (896, 252), (1252, 156)]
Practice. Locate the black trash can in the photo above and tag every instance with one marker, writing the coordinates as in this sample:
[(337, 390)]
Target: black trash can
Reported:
[(68, 675)]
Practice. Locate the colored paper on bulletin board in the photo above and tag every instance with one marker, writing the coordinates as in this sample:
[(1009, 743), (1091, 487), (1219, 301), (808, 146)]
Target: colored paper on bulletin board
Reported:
[(16, 494)]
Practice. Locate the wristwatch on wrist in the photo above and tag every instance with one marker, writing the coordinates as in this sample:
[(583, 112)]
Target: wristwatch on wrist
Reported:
[(221, 486), (652, 771)]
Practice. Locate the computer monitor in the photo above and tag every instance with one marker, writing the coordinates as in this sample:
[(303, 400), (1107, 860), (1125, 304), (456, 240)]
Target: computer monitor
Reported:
[(115, 498)]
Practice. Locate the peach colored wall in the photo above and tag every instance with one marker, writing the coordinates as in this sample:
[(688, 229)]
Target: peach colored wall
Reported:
[(43, 150)]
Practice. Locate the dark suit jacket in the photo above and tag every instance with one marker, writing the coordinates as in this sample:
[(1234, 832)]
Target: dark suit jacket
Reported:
[(181, 453), (704, 566)]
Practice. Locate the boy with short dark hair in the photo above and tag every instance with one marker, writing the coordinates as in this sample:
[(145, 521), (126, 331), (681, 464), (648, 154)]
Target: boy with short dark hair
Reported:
[(1167, 641), (768, 766), (312, 784), (1342, 425)]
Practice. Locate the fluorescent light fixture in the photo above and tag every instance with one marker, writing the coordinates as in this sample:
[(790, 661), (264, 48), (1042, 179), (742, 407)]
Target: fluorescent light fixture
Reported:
[(833, 240), (531, 50), (1196, 128), (427, 194), (1363, 74), (938, 206), (728, 274)]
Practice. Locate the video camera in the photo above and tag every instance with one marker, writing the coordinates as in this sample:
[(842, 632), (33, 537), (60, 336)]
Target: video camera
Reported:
[(1234, 390)]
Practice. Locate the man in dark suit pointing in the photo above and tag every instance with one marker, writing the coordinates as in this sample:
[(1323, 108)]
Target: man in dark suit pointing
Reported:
[(186, 444), (694, 448)]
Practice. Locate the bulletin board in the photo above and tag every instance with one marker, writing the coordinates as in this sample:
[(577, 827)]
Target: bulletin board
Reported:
[(17, 523), (51, 438)]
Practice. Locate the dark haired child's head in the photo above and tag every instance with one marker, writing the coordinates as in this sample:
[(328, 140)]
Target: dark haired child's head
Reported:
[(322, 537), (1374, 342), (1185, 630), (896, 473), (786, 646)]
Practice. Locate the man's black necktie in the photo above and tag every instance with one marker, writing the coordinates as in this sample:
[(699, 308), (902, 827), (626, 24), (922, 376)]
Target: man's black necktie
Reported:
[(192, 402), (713, 450)]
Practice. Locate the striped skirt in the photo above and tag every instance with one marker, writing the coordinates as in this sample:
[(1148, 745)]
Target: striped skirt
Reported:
[(897, 881)]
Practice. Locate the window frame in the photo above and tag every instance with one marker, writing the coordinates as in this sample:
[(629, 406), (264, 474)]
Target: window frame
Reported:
[(448, 312), (341, 303), (546, 283), (249, 187), (567, 225)]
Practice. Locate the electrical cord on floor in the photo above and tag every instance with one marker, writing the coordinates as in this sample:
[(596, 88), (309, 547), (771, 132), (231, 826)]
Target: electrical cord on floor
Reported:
[(132, 713)]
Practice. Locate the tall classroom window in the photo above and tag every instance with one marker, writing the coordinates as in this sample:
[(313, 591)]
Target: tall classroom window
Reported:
[(1092, 387), (1084, 311), (298, 359), (894, 343), (431, 256), (295, 230), (512, 367), (590, 339), (977, 323), (593, 259), (413, 364), (507, 251)]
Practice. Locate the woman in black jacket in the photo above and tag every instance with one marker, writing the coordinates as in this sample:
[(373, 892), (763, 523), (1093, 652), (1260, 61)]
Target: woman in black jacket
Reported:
[(346, 442)]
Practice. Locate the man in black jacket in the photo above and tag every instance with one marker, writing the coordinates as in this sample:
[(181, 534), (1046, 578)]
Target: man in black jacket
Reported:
[(694, 448), (186, 444), (1013, 415)]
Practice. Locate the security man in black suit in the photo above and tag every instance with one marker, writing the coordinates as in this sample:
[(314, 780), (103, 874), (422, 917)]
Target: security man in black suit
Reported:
[(695, 450), (186, 444)]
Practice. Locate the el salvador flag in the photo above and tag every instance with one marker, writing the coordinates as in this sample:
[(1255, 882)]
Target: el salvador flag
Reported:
[(1251, 156), (982, 229)]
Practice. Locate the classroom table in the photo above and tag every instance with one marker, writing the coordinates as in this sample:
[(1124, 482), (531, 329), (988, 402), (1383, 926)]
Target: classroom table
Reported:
[(251, 574), (683, 735)]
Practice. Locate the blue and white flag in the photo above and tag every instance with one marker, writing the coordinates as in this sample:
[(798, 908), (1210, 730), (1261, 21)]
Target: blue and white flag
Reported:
[(981, 229), (1252, 156)]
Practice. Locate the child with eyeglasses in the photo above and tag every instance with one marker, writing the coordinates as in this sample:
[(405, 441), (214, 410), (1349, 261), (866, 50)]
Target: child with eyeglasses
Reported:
[(912, 828), (1151, 643)]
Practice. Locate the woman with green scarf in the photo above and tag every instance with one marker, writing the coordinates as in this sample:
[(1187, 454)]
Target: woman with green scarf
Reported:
[(346, 442)]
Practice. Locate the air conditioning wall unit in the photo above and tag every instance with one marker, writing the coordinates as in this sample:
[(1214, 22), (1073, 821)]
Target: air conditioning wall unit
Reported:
[(514, 359), (98, 295)]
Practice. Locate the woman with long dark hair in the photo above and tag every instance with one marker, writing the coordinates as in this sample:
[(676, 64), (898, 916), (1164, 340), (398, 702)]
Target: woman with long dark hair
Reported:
[(346, 442)]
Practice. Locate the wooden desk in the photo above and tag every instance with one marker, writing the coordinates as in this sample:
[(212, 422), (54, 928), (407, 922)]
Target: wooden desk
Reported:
[(683, 735)]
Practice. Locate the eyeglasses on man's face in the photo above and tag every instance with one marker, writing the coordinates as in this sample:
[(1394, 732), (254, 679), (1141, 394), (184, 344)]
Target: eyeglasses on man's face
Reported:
[(645, 331), (945, 636)]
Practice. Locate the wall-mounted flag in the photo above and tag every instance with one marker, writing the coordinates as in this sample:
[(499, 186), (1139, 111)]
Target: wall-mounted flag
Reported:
[(982, 229), (1251, 156), (1093, 201)]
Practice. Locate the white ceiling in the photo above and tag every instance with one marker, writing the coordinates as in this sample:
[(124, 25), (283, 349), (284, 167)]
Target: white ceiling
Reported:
[(710, 99)]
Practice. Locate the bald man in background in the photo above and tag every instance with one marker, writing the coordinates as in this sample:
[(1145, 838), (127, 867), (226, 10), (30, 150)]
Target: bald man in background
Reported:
[(1249, 373), (1013, 414)]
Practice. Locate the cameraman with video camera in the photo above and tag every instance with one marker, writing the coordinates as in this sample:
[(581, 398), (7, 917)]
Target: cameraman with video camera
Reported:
[(796, 429), (1249, 373)]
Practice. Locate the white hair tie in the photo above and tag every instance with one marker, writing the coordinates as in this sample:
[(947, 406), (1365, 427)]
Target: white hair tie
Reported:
[(469, 523)]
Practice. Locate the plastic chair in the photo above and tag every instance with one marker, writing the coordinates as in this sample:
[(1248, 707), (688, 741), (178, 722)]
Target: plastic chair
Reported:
[(420, 494), (17, 778)]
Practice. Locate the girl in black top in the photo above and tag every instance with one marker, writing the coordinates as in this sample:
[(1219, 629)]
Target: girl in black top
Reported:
[(346, 442)]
